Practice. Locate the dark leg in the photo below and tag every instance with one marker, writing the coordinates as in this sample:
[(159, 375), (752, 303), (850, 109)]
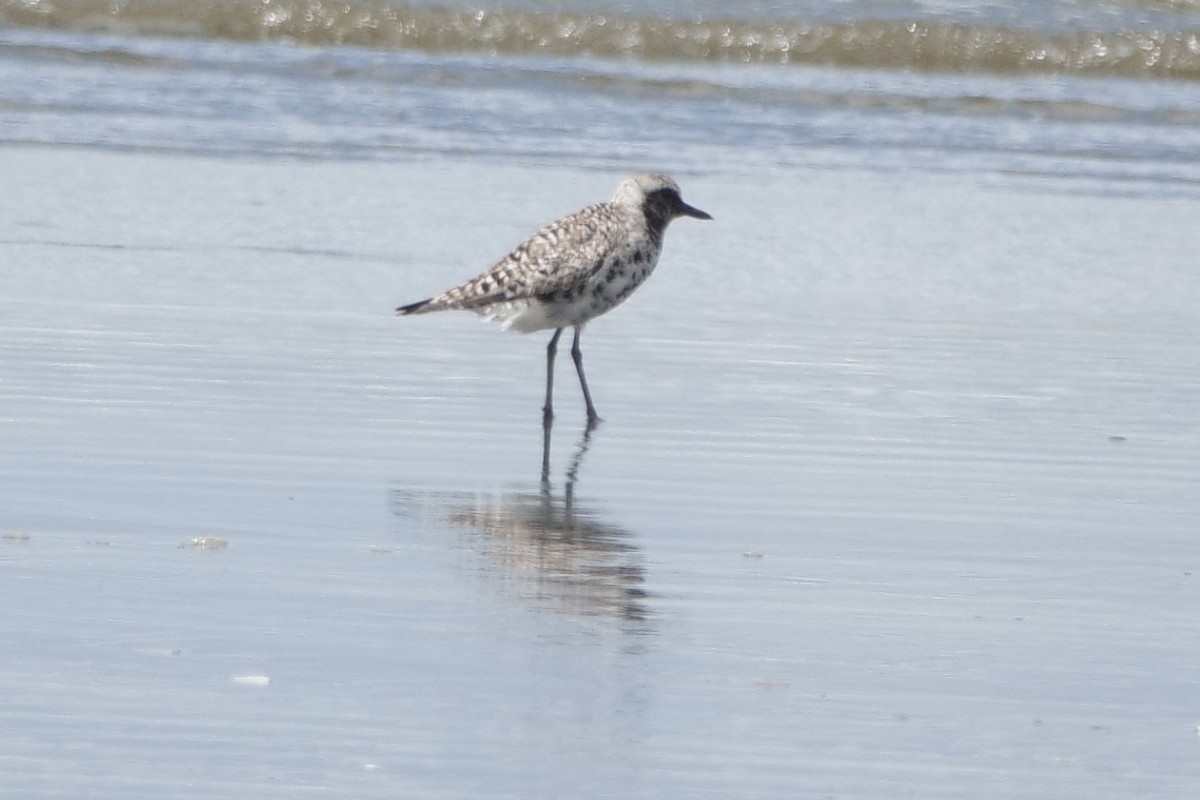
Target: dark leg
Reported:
[(577, 356), (551, 352), (547, 426)]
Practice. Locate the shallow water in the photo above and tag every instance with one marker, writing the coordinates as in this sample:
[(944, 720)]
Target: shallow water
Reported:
[(124, 89), (903, 503), (1144, 39)]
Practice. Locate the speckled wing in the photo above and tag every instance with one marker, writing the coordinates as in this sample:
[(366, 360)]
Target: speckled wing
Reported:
[(555, 258)]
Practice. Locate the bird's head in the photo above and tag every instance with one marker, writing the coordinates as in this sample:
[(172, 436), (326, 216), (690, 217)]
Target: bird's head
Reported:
[(657, 196)]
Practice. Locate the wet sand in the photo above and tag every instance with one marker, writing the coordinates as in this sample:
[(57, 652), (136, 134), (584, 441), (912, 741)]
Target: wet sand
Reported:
[(895, 492)]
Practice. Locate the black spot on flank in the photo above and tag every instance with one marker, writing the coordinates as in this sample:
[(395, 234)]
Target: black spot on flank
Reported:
[(638, 256)]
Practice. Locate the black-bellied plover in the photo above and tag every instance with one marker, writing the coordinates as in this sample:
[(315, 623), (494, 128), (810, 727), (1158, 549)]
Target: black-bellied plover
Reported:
[(574, 270)]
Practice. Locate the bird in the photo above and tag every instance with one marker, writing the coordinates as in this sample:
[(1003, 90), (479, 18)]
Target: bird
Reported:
[(573, 270)]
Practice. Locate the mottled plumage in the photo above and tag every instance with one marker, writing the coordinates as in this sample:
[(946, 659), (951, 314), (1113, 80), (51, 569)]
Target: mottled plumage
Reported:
[(574, 270)]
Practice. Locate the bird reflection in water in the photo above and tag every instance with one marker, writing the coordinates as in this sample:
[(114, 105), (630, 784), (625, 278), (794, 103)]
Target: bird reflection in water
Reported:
[(553, 550)]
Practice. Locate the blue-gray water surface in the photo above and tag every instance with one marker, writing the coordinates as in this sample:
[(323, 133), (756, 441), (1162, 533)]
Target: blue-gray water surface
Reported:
[(895, 491), (912, 516)]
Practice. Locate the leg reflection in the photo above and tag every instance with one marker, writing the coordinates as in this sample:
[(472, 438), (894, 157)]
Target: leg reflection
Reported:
[(576, 462), (562, 553)]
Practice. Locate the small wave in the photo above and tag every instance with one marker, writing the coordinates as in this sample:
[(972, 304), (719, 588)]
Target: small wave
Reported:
[(869, 43)]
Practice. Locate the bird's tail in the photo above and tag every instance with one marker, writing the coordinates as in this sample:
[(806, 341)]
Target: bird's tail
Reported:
[(415, 308)]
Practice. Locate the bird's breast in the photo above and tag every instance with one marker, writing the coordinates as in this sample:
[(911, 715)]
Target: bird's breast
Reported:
[(605, 288)]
